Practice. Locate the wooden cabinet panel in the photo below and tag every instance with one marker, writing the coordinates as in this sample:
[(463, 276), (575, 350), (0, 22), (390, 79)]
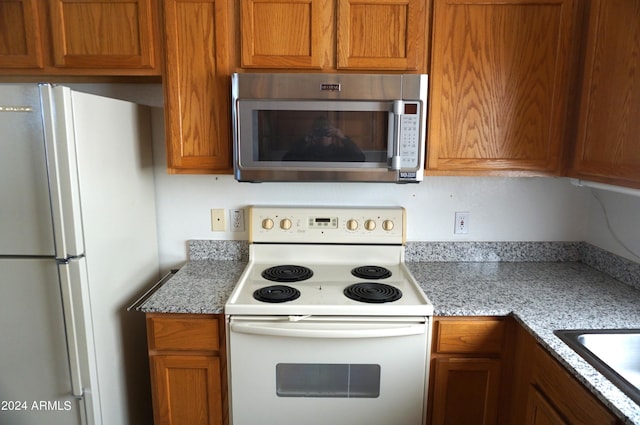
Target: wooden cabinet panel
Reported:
[(188, 368), (381, 34), (466, 391), (20, 43), (187, 390), (608, 148), (470, 336), (197, 86), (284, 33), (102, 33), (541, 412), (171, 333), (566, 394), (500, 83), (467, 383)]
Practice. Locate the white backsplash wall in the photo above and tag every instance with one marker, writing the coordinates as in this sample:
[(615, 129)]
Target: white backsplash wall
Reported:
[(501, 209), (614, 222)]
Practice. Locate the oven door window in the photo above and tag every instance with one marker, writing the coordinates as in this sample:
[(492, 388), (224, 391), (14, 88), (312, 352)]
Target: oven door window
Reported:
[(328, 380), (316, 132)]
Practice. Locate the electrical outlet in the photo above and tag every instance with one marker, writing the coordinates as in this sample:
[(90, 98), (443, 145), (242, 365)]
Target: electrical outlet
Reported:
[(237, 220), (218, 223), (462, 223)]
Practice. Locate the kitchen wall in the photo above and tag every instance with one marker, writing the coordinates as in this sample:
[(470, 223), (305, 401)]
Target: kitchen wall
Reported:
[(501, 209)]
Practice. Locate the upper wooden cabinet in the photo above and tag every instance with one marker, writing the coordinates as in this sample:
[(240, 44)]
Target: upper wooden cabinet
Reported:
[(501, 74), (608, 140), (73, 37), (197, 86), (382, 34), (20, 34), (285, 34), (342, 34)]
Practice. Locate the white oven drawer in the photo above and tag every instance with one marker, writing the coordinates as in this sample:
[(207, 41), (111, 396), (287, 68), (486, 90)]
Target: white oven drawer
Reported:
[(314, 371)]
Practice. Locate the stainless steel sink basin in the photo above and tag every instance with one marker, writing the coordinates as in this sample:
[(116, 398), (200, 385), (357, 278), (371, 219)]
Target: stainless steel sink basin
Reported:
[(613, 352)]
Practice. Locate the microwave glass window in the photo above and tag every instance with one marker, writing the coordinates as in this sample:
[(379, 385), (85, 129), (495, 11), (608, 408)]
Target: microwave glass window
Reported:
[(321, 136)]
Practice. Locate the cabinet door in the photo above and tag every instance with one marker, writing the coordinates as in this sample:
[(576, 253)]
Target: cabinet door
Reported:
[(20, 34), (541, 412), (285, 33), (382, 34), (466, 391), (103, 33), (608, 148), (197, 86), (500, 85), (187, 390)]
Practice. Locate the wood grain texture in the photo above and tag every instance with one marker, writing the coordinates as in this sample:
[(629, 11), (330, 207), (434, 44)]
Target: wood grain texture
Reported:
[(381, 34), (103, 34), (470, 336), (187, 390), (20, 34), (285, 33), (566, 394), (608, 142), (188, 333), (499, 84), (187, 354), (466, 391), (541, 412), (197, 86)]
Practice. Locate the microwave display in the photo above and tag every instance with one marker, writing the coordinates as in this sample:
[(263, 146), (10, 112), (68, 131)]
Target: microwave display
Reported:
[(321, 136)]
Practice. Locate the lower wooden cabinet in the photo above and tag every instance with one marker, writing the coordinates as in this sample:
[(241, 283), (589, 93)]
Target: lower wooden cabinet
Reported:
[(188, 369), (492, 371), (467, 362), (567, 401)]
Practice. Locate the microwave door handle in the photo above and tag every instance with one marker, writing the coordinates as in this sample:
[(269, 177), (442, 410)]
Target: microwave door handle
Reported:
[(395, 160)]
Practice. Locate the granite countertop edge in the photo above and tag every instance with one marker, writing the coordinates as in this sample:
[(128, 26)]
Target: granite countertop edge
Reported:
[(541, 295)]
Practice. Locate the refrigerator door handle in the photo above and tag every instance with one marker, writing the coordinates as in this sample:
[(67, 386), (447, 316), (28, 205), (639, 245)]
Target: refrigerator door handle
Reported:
[(71, 325)]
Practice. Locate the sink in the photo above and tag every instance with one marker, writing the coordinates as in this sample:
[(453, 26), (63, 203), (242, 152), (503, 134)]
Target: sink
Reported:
[(613, 352)]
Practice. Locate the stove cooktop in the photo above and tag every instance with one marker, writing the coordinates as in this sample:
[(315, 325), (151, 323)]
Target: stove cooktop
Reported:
[(327, 261)]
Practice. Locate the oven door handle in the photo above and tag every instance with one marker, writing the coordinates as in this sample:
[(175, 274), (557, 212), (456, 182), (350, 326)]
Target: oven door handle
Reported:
[(287, 330)]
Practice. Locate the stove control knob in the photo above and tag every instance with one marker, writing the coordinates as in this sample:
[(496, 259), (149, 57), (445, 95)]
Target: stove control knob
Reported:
[(370, 225), (267, 224), (285, 224), (352, 224), (387, 225)]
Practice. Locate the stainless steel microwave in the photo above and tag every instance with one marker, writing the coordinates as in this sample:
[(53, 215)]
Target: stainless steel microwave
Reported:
[(329, 127)]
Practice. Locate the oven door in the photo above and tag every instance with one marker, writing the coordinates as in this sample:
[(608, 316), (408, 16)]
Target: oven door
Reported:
[(328, 370), (328, 140)]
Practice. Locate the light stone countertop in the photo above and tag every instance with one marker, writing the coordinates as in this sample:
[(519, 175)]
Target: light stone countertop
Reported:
[(542, 296)]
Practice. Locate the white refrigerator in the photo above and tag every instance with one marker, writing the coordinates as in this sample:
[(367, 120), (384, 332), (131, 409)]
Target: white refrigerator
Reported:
[(78, 243)]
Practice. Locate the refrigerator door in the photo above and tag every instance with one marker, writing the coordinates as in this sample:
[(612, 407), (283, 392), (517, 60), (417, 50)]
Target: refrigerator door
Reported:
[(115, 169), (34, 367), (104, 204), (25, 215)]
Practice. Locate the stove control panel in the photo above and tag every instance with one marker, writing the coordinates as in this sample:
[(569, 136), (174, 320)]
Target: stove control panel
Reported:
[(384, 225)]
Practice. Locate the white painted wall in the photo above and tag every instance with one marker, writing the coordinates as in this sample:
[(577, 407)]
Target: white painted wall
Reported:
[(614, 222)]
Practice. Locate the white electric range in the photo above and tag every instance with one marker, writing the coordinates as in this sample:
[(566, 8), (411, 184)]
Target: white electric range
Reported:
[(327, 324)]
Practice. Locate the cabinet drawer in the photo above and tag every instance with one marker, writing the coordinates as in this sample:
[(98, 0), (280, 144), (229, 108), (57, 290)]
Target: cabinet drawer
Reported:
[(480, 336), (183, 333)]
